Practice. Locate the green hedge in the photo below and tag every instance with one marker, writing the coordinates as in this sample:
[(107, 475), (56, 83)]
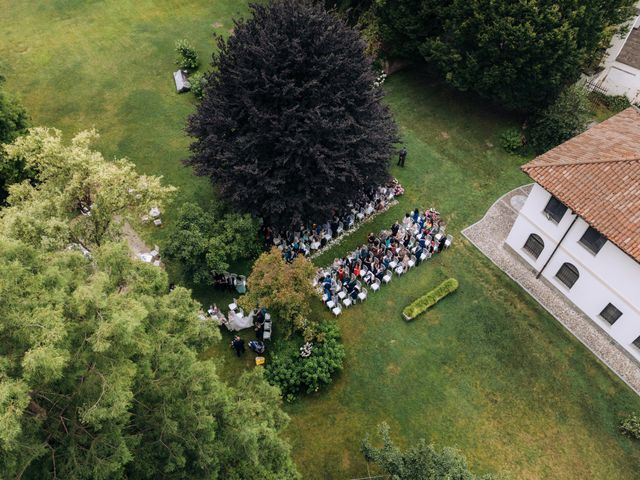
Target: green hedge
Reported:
[(430, 299)]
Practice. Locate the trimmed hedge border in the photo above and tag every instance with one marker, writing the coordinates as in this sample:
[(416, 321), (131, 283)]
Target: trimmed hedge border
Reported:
[(427, 301)]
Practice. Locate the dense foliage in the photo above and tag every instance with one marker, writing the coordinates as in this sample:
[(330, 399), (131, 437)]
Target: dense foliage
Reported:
[(207, 242), (428, 300), (69, 179), (198, 82), (13, 122), (519, 53), (630, 426), (615, 103), (291, 126), (186, 55), (419, 462), (284, 289), (565, 118), (295, 375), (99, 373)]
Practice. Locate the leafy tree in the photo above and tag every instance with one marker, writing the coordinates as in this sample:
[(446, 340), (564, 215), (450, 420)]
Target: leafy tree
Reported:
[(69, 178), (283, 288), (100, 377), (13, 122), (420, 462), (563, 119), (519, 53), (186, 55), (291, 126), (206, 243)]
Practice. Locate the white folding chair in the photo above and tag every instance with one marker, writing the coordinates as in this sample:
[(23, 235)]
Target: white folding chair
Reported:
[(347, 301), (336, 310), (375, 286), (331, 304), (413, 261), (448, 241), (362, 296), (234, 305), (387, 276)]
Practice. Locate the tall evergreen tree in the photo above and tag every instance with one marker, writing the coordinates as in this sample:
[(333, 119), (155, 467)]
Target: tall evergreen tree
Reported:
[(291, 125)]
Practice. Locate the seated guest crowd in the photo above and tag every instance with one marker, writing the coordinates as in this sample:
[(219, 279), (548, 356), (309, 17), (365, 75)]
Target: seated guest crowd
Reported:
[(306, 240), (416, 238)]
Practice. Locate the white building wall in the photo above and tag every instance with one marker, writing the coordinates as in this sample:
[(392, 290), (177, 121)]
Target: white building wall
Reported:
[(611, 276)]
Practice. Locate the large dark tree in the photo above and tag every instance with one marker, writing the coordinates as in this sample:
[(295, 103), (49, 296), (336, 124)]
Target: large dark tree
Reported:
[(519, 53), (291, 125)]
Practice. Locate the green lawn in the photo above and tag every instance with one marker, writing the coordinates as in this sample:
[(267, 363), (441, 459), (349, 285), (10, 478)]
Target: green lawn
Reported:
[(486, 370)]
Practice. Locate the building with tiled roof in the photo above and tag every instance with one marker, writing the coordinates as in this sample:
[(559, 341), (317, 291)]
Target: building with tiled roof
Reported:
[(579, 227), (619, 73)]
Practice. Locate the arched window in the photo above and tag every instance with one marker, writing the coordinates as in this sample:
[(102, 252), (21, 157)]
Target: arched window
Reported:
[(534, 245), (568, 274)]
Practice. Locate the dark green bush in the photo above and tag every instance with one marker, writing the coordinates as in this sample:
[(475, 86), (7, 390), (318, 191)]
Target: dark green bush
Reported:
[(512, 140), (187, 57), (565, 118), (430, 299), (615, 103), (296, 375), (630, 426)]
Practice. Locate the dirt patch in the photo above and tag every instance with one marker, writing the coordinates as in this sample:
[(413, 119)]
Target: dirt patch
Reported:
[(444, 135), (393, 369), (217, 25), (136, 244)]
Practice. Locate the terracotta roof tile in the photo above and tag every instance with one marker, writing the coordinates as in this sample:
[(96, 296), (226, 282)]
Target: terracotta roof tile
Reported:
[(597, 175)]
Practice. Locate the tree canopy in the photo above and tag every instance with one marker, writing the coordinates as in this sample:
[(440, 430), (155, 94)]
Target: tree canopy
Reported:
[(283, 288), (565, 118), (70, 179), (519, 53), (100, 375), (206, 242), (419, 462), (291, 125), (13, 122)]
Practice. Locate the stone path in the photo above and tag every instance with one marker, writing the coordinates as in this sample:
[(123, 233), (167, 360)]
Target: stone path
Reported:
[(489, 234)]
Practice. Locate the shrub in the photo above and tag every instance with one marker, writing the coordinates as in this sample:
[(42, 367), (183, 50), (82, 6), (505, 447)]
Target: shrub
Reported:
[(198, 81), (512, 140), (630, 426), (283, 288), (187, 57), (430, 299), (206, 242), (296, 375), (565, 118), (615, 103)]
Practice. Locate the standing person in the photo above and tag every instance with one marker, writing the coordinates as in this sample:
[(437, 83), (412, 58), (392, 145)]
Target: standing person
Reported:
[(402, 156), (238, 345)]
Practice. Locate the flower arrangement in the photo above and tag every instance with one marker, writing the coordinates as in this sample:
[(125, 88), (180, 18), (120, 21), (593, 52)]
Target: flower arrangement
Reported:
[(379, 81), (305, 350)]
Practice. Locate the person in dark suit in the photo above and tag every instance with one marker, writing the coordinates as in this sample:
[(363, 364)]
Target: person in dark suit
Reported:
[(402, 156), (238, 345)]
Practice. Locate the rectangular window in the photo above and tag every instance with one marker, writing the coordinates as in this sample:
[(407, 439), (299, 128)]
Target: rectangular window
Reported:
[(593, 240), (555, 209), (610, 314), (636, 342)]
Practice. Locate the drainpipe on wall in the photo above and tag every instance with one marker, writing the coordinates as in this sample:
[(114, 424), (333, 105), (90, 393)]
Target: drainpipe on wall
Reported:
[(557, 246)]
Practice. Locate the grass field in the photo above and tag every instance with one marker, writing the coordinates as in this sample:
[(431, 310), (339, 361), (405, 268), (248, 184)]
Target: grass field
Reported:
[(487, 370)]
